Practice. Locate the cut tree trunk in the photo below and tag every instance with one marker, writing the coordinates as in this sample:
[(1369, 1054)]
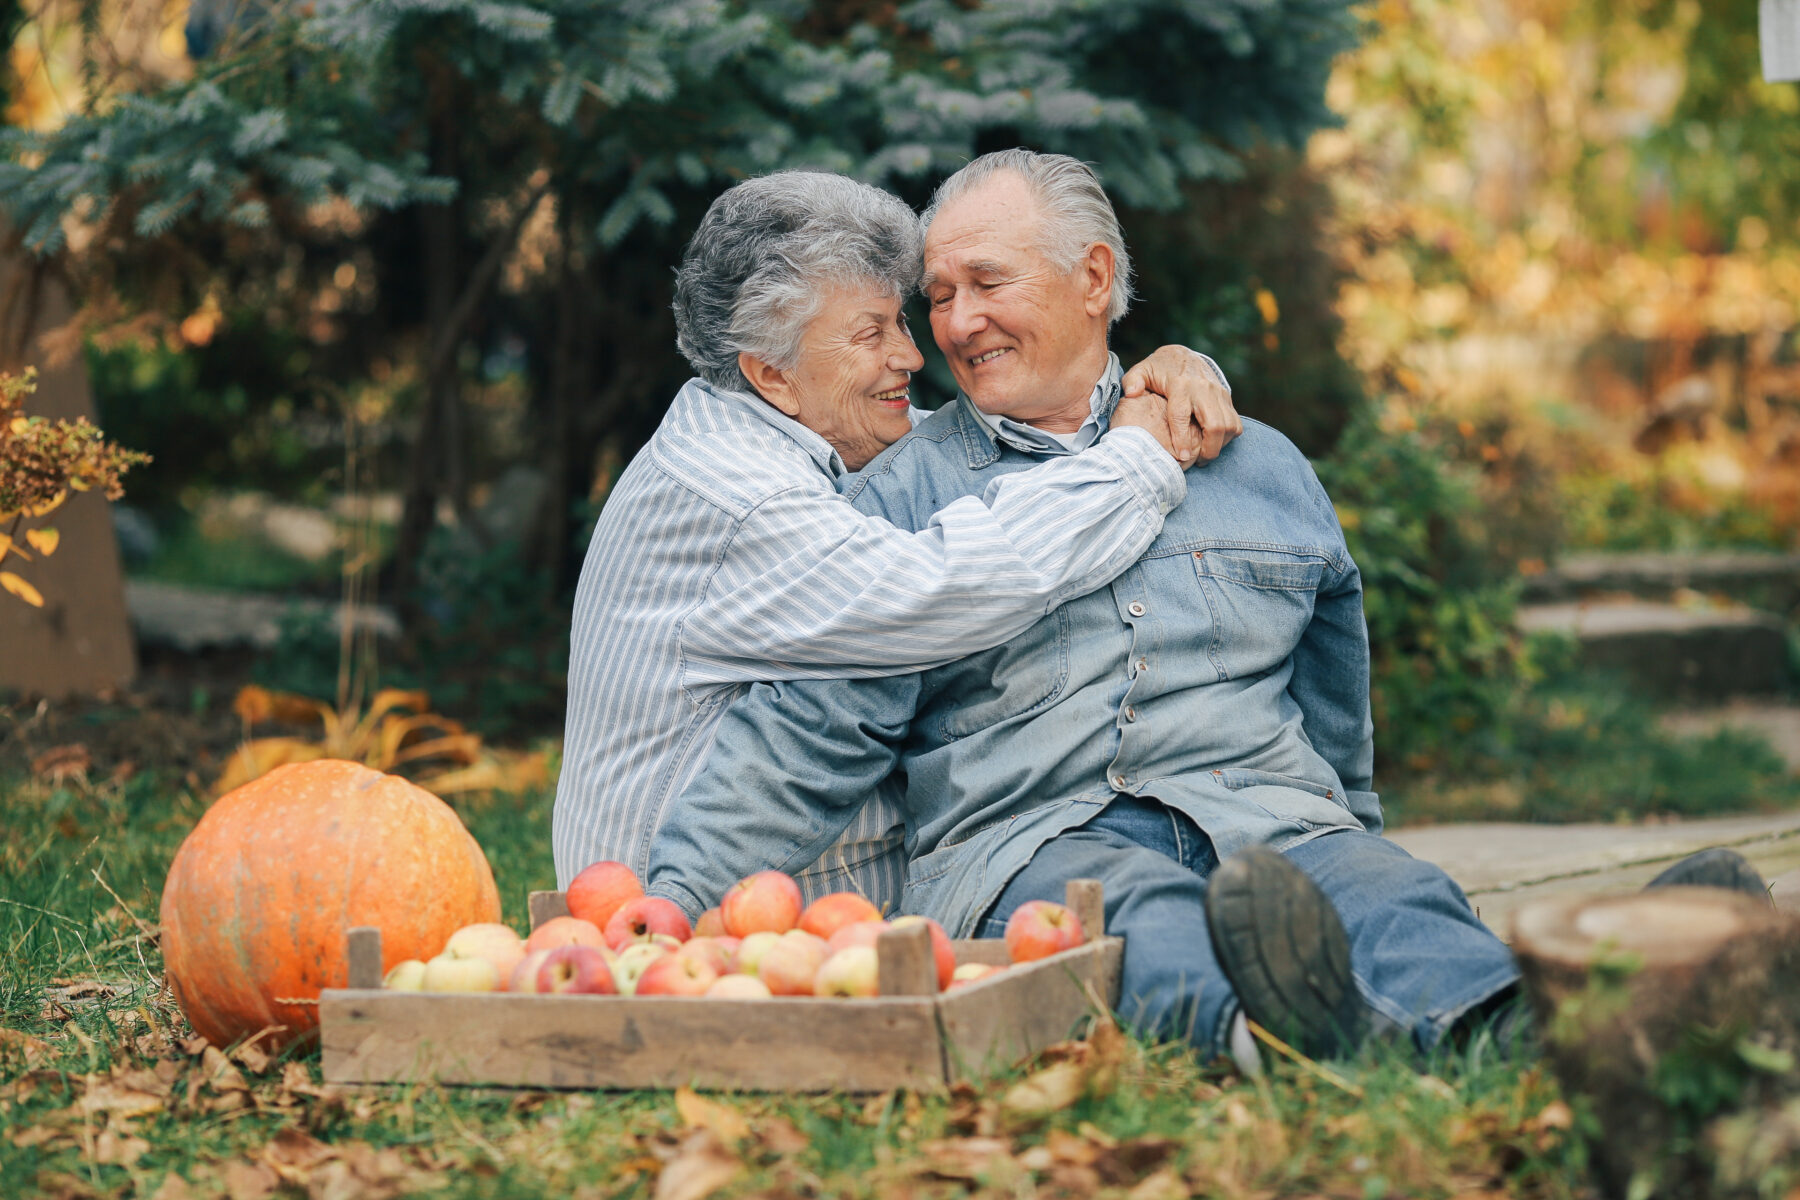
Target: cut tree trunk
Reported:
[(1670, 1014)]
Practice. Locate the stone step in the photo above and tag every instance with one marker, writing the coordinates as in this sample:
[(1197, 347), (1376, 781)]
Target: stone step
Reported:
[(1503, 866), (1696, 651), (1779, 723), (193, 620), (1762, 579)]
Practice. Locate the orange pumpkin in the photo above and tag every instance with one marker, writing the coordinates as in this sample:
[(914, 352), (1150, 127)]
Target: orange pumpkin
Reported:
[(262, 892)]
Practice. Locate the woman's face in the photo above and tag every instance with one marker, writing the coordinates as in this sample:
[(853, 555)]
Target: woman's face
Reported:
[(851, 383)]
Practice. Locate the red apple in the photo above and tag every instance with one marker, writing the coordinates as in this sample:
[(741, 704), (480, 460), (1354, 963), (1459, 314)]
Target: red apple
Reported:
[(564, 931), (708, 951), (792, 963), (738, 987), (596, 893), (645, 918), (857, 933), (676, 975), (852, 971), (767, 901), (942, 948), (828, 914), (580, 970), (524, 976), (1040, 928), (730, 946), (750, 951), (710, 924), (495, 942), (970, 972), (631, 964)]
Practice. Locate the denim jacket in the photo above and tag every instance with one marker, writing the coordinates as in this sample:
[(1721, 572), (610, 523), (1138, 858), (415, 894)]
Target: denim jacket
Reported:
[(1225, 674)]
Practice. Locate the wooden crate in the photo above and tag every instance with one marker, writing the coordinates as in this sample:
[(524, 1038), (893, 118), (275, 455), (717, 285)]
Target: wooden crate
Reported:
[(910, 1036)]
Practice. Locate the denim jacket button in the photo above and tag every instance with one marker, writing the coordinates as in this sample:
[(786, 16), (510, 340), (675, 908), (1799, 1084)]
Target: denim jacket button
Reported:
[(1118, 781), (1135, 609), (1142, 665), (1130, 713)]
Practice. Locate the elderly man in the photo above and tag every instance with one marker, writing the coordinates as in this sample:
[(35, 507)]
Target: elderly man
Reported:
[(726, 555), (1209, 706)]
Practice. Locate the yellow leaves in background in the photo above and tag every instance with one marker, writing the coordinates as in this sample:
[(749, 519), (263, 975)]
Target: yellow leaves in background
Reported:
[(397, 730), (44, 541), (21, 589)]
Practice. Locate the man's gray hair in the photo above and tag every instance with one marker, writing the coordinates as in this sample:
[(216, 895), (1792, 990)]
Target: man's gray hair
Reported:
[(1076, 211), (755, 272)]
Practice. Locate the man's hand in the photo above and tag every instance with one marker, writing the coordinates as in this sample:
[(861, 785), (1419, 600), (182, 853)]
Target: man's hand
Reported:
[(1200, 413)]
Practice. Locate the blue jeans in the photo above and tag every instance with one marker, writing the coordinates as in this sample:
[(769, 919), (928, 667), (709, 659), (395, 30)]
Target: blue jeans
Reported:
[(1420, 956)]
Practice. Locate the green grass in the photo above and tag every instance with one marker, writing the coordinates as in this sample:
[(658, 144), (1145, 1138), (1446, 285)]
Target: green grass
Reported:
[(80, 867), (235, 562)]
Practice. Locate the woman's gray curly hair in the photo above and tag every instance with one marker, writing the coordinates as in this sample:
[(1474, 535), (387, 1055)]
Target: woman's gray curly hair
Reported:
[(755, 272)]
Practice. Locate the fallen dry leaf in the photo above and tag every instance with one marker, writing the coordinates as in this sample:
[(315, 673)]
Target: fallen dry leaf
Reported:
[(173, 1187), (19, 1044), (118, 1147), (247, 1180), (121, 1100), (38, 1135), (1127, 1162), (60, 763), (294, 1154), (701, 1166), (1043, 1092), (81, 989), (1163, 1185), (971, 1159), (697, 1112), (779, 1135)]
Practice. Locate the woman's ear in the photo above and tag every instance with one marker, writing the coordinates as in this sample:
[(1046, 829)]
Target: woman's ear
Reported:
[(771, 383)]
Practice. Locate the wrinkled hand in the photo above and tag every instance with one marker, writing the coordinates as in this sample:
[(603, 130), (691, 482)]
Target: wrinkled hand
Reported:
[(1201, 415), (1149, 412)]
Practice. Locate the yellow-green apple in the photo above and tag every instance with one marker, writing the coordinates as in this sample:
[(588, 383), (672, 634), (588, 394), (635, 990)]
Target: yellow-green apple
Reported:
[(447, 973), (942, 949), (524, 976), (852, 971), (708, 951), (596, 893), (766, 902), (676, 975), (970, 972), (857, 933), (828, 914), (645, 918), (490, 940), (564, 931), (710, 924), (408, 975), (792, 963), (631, 963), (751, 949), (1039, 928), (738, 987), (580, 970)]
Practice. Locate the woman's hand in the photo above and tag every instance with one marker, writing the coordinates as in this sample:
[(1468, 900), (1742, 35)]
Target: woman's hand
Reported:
[(1201, 417)]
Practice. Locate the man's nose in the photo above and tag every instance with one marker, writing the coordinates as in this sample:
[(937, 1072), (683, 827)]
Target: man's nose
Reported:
[(963, 318)]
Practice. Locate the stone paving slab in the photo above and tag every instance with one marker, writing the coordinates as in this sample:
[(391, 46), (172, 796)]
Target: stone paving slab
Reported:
[(1503, 866)]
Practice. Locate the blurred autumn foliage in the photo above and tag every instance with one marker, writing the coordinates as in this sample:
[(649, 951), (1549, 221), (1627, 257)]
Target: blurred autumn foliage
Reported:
[(1570, 232)]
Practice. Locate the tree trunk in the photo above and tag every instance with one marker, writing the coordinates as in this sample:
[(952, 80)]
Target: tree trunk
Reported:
[(1674, 1015)]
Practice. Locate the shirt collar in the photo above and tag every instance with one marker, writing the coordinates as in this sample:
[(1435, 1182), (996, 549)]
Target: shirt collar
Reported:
[(1016, 435), (816, 447)]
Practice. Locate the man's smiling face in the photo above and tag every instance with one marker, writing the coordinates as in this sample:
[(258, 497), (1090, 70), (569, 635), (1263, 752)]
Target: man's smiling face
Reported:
[(1025, 338)]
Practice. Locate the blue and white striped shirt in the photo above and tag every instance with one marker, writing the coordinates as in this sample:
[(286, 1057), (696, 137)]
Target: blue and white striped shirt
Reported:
[(725, 556)]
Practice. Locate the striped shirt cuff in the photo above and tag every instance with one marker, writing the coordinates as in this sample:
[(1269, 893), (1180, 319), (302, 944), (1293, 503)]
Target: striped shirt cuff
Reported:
[(1151, 472)]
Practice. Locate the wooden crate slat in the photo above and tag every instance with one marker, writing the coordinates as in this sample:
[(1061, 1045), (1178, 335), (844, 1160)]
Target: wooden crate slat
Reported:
[(629, 1042), (1004, 1018)]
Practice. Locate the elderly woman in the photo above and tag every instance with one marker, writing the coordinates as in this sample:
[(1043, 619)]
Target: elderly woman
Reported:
[(725, 555)]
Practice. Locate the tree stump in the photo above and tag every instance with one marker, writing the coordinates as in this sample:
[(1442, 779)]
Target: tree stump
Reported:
[(1669, 1014)]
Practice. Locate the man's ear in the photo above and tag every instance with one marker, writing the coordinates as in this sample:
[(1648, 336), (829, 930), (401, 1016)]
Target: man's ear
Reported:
[(1097, 277), (1096, 269), (771, 383)]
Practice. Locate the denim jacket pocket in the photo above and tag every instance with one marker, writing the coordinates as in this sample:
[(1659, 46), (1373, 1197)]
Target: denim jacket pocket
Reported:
[(1316, 807), (1260, 606), (1014, 679), (1238, 778)]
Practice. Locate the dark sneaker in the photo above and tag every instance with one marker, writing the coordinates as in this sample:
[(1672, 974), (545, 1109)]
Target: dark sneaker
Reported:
[(1718, 867), (1283, 947)]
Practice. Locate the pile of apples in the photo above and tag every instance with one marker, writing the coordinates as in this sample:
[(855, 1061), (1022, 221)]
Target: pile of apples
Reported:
[(761, 941)]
